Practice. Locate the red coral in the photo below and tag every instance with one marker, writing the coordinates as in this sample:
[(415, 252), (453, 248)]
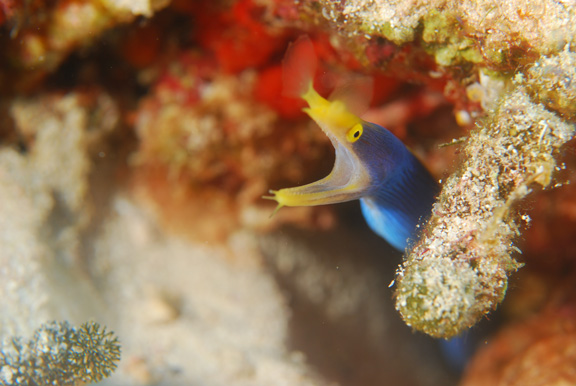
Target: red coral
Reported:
[(268, 90), (7, 9), (237, 37)]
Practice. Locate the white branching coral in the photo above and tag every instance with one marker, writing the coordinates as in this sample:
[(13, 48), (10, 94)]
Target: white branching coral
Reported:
[(459, 269)]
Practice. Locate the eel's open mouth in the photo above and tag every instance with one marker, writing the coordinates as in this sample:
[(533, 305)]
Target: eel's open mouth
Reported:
[(349, 178), (348, 181)]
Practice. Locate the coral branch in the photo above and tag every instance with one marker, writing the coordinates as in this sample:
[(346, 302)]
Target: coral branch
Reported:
[(459, 270), (60, 354)]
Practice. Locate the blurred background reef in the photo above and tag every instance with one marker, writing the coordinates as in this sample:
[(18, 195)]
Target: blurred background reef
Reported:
[(137, 138)]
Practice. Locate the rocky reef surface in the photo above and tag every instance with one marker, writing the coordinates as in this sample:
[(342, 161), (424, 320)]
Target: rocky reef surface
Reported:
[(137, 138)]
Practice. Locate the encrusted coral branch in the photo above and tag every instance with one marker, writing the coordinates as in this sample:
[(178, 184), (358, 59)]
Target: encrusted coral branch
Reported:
[(459, 269)]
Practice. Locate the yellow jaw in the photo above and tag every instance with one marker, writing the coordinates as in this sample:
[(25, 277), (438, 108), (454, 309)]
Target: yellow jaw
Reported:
[(349, 178)]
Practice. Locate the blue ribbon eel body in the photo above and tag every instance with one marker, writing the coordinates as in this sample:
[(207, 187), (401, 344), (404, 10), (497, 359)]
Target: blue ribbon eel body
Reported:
[(395, 190)]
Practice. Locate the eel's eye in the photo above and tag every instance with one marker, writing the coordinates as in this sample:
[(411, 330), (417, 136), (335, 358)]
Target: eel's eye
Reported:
[(354, 133)]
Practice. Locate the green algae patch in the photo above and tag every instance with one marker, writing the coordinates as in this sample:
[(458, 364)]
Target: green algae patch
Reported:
[(439, 27), (444, 39), (397, 34)]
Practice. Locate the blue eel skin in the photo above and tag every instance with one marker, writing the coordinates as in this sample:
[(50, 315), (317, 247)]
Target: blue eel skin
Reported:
[(402, 191)]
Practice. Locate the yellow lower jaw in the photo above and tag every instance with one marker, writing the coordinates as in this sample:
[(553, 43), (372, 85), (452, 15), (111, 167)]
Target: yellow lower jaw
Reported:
[(328, 190), (300, 196)]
